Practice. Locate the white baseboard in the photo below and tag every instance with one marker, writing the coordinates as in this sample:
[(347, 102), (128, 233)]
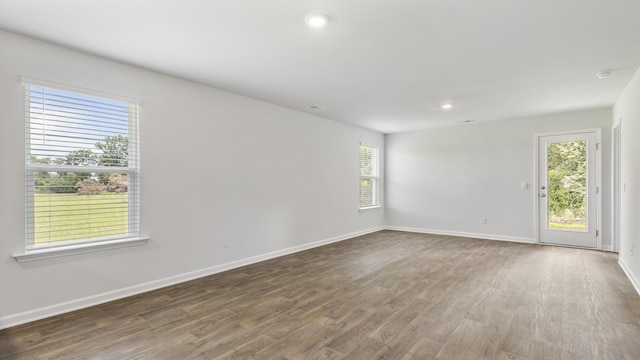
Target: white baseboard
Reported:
[(77, 304), (463, 234), (634, 280)]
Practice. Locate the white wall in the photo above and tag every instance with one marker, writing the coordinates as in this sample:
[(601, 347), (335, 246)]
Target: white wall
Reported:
[(626, 112), (213, 165), (445, 180)]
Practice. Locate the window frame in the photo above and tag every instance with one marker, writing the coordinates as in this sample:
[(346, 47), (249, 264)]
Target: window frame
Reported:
[(132, 169), (375, 176)]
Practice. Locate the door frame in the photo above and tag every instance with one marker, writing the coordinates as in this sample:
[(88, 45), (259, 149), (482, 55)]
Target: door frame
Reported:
[(536, 192), (616, 147)]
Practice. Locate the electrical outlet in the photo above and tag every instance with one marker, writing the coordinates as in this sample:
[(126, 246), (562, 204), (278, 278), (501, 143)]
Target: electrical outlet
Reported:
[(483, 220), (225, 242)]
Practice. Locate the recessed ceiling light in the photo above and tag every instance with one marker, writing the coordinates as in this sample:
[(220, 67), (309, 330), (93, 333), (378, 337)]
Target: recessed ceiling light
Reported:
[(446, 106), (604, 74), (317, 20)]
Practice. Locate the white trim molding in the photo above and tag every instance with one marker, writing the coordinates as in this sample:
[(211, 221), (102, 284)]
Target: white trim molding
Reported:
[(54, 252), (65, 307), (463, 234), (78, 89), (634, 281)]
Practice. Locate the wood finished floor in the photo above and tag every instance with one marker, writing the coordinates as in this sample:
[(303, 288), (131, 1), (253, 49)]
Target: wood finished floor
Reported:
[(387, 295)]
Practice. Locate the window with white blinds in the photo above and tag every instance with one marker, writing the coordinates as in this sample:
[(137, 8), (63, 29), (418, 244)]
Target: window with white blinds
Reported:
[(82, 167), (369, 176)]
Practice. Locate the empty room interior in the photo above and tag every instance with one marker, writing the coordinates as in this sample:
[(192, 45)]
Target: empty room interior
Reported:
[(320, 179)]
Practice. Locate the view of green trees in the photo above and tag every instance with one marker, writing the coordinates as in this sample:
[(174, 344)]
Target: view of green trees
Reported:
[(567, 185), (82, 205), (113, 152)]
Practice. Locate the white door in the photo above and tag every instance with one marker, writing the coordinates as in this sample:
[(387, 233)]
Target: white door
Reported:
[(567, 189)]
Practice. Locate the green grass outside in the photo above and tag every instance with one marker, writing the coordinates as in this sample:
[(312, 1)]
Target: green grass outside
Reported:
[(559, 226), (64, 217)]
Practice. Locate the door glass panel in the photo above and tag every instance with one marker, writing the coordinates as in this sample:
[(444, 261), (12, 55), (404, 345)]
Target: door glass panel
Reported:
[(567, 185)]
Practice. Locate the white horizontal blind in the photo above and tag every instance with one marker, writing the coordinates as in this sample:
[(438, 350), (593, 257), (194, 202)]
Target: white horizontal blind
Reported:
[(369, 176), (82, 168)]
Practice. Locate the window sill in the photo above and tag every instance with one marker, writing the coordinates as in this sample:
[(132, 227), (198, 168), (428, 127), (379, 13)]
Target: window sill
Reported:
[(50, 253), (370, 208)]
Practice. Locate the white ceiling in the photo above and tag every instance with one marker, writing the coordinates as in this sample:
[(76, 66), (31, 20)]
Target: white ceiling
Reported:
[(385, 65)]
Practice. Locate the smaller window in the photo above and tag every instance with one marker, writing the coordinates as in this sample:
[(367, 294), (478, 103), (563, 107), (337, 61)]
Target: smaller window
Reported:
[(369, 176)]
